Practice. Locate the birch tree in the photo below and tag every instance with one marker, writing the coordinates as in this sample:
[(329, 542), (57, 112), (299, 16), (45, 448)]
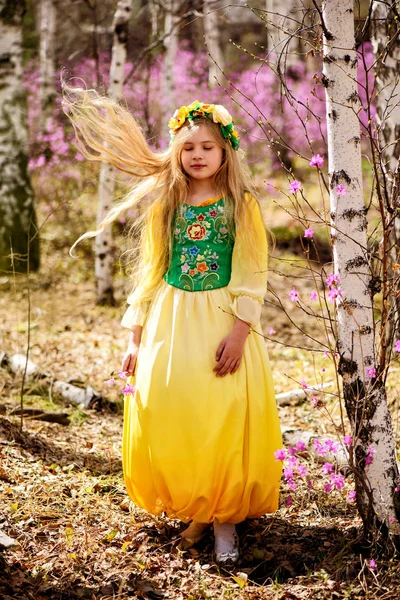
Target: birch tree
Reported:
[(103, 244), (171, 46), (373, 453), (18, 229), (47, 57), (211, 35)]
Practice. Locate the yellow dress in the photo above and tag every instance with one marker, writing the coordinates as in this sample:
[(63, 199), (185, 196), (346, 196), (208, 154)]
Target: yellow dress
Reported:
[(197, 446)]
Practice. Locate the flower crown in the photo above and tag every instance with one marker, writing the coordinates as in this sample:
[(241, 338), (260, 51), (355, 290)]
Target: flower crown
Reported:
[(214, 112)]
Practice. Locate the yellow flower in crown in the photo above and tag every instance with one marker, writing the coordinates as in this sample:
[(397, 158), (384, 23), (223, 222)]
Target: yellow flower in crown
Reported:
[(215, 112)]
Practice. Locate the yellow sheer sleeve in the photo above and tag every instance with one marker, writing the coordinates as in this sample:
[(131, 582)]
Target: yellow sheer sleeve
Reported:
[(135, 315), (248, 282)]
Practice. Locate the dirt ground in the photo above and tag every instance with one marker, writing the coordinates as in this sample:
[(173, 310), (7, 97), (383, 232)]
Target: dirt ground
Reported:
[(62, 493)]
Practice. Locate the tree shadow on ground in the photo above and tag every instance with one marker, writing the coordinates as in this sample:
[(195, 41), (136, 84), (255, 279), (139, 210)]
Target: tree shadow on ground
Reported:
[(40, 447)]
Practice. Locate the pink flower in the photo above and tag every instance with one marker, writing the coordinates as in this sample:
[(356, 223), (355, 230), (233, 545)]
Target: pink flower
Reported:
[(309, 484), (328, 487), (308, 233), (326, 354), (337, 480), (291, 451), (110, 381), (295, 186), (323, 370), (347, 440), (304, 385), (331, 279), (352, 496), (371, 372), (369, 459), (372, 564), (128, 389), (313, 296), (289, 501), (291, 485), (327, 468), (334, 293), (341, 190), (397, 346), (397, 490), (317, 161), (300, 446), (302, 470), (288, 473), (280, 454), (331, 446), (293, 295), (314, 400), (271, 331), (123, 374)]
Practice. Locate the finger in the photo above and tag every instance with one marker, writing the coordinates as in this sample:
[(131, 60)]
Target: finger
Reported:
[(225, 369), (221, 363), (132, 364), (235, 366), (220, 350)]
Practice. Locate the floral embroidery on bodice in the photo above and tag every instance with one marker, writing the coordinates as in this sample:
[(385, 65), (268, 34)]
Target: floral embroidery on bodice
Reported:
[(201, 248)]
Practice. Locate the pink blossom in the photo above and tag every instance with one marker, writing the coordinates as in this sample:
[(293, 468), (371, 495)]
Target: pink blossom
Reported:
[(304, 385), (372, 564), (341, 190), (327, 468), (280, 454), (352, 495), (326, 354), (110, 381), (300, 446), (323, 370), (291, 451), (309, 484), (288, 473), (302, 470), (397, 346), (397, 490), (289, 501), (128, 389), (320, 449), (123, 374), (293, 295), (369, 459), (328, 487), (308, 233), (334, 293), (295, 186), (291, 485), (331, 279), (313, 296), (337, 480), (317, 161), (331, 446), (314, 400), (271, 331), (347, 440), (371, 372)]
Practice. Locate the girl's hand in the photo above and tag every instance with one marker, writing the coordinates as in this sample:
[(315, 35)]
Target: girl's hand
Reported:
[(230, 351), (130, 357), (129, 360)]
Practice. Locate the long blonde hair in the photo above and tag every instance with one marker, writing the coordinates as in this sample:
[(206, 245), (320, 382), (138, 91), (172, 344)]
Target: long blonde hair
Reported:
[(107, 131)]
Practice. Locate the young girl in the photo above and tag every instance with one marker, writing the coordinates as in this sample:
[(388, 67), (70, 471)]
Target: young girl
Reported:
[(201, 428)]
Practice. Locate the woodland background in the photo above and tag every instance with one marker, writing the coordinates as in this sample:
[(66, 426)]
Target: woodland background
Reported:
[(72, 530)]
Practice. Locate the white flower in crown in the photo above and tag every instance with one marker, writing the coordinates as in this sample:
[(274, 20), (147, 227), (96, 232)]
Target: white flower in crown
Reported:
[(221, 115)]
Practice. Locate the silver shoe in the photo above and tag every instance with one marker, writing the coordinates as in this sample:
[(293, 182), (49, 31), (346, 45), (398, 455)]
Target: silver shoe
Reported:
[(227, 559)]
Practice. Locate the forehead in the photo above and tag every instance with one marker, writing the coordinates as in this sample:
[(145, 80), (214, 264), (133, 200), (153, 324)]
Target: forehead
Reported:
[(201, 135)]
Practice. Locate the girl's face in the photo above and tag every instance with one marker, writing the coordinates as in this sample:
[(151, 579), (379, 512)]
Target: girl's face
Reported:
[(201, 156)]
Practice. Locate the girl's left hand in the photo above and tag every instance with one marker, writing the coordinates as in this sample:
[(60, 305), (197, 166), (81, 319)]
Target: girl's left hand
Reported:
[(230, 350)]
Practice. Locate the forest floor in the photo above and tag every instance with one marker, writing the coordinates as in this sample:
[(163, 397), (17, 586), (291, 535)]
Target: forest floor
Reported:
[(62, 494)]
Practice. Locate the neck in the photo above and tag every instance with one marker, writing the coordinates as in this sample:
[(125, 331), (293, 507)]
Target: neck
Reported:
[(204, 189)]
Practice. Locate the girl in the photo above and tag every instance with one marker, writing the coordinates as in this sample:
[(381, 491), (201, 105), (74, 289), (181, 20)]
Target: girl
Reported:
[(201, 428)]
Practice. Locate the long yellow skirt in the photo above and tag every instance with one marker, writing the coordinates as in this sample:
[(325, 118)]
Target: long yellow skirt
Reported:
[(197, 446)]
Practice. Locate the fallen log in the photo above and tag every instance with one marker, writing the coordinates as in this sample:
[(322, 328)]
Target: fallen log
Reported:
[(39, 415), (296, 396)]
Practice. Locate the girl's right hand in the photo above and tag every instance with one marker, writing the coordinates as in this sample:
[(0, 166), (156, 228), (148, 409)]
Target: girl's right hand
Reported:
[(129, 360)]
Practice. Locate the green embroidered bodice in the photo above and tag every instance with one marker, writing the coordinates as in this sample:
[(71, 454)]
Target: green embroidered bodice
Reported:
[(201, 248)]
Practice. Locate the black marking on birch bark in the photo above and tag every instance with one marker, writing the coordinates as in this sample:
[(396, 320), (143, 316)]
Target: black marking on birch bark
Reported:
[(325, 81), (347, 58), (333, 216), (350, 213), (102, 256), (329, 58), (333, 115), (375, 285), (338, 176), (356, 263), (356, 139), (365, 329), (354, 63), (368, 361), (105, 243), (347, 367), (350, 305)]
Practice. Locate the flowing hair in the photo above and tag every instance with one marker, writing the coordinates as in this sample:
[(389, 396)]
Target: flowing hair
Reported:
[(106, 131)]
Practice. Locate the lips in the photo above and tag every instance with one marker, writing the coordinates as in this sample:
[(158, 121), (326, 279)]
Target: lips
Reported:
[(199, 167)]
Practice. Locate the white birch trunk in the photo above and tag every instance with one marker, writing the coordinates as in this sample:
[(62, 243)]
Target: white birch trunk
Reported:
[(47, 57), (17, 213), (154, 9), (365, 397), (104, 253), (171, 46), (211, 34), (386, 47), (279, 28)]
